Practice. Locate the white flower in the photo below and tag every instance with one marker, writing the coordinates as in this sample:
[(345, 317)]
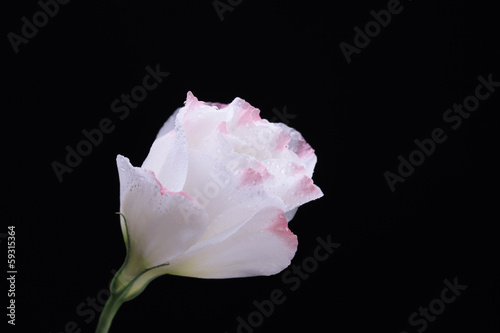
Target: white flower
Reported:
[(214, 196)]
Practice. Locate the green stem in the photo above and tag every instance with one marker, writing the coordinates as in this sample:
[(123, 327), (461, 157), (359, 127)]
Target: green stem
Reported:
[(117, 291), (120, 293), (121, 286), (108, 312)]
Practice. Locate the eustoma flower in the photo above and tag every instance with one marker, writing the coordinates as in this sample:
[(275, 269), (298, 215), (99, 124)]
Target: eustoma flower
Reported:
[(212, 199)]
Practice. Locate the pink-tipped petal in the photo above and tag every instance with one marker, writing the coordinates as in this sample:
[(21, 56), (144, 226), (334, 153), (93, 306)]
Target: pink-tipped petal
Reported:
[(217, 105), (160, 226), (300, 148), (199, 120), (290, 183), (282, 141), (244, 112), (250, 177), (263, 246)]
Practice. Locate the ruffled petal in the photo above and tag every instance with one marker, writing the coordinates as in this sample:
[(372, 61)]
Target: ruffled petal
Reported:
[(285, 178), (290, 183), (199, 120), (300, 148)]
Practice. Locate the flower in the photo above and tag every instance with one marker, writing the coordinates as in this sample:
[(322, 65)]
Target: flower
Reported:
[(212, 199), (214, 196)]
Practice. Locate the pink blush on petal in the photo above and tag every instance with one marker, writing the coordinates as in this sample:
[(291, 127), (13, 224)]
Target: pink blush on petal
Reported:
[(304, 150), (163, 189), (297, 169), (217, 105), (250, 177), (190, 98), (279, 225), (248, 116), (192, 105), (282, 141), (306, 187), (223, 128), (262, 170)]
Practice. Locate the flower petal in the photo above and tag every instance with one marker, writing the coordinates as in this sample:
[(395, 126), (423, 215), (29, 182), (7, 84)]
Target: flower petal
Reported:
[(289, 183), (301, 148), (262, 246), (160, 226), (224, 194), (199, 120), (168, 159), (169, 124)]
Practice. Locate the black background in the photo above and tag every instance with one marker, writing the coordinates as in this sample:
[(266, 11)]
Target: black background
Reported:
[(396, 248)]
